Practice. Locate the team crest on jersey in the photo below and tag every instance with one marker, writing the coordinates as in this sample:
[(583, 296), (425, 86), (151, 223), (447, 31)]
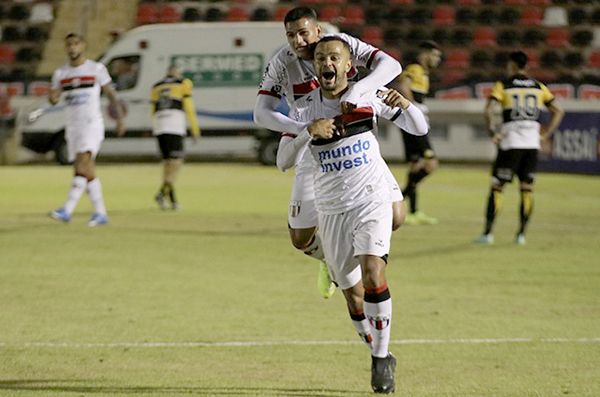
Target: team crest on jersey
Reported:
[(295, 208), (379, 322)]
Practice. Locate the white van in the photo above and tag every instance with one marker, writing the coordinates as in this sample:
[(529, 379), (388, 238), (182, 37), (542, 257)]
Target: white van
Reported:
[(224, 60)]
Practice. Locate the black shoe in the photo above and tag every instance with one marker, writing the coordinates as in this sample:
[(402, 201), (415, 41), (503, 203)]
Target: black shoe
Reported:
[(382, 374)]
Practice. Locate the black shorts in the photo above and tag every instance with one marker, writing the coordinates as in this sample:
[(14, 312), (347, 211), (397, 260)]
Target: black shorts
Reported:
[(417, 147), (171, 146), (522, 162)]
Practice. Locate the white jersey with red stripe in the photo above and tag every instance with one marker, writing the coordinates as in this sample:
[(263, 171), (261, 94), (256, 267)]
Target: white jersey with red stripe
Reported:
[(288, 76), (81, 87), (348, 169)]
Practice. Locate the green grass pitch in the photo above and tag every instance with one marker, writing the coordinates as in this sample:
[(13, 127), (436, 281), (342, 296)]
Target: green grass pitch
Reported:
[(213, 300)]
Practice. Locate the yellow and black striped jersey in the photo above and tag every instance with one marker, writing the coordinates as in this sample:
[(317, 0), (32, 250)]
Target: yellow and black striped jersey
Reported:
[(169, 93), (171, 101), (522, 99), (419, 84)]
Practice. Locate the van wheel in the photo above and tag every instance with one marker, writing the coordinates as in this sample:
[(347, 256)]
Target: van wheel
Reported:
[(60, 151), (267, 151)]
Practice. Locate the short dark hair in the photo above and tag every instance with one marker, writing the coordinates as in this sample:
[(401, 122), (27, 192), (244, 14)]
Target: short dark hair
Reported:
[(429, 45), (328, 39), (518, 57), (74, 35), (298, 13)]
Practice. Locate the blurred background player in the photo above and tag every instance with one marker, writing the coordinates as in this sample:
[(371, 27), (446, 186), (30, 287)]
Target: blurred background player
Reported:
[(521, 98), (81, 81), (352, 194), (172, 101), (413, 83), (290, 74)]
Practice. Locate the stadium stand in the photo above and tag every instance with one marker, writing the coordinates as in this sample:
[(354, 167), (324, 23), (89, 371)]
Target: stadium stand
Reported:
[(562, 37)]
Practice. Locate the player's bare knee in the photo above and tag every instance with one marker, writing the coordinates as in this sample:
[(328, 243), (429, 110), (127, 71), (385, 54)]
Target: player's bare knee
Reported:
[(399, 215), (528, 186), (373, 272), (431, 165), (301, 238)]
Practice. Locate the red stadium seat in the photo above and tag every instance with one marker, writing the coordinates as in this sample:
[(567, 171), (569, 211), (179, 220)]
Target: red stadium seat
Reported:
[(353, 15), (458, 58), (169, 14), (544, 75), (329, 13), (7, 54), (444, 15), (533, 58), (532, 16), (558, 37), (484, 36), (468, 2), (146, 13), (541, 3), (394, 53), (237, 14), (452, 77), (372, 35), (402, 2), (280, 12), (594, 59)]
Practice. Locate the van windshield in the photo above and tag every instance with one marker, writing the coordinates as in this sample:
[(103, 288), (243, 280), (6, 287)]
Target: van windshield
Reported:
[(124, 71)]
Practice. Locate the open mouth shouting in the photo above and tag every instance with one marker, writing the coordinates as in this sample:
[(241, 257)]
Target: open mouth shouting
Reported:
[(328, 77)]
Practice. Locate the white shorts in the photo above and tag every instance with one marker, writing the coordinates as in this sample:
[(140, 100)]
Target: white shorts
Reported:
[(86, 139), (302, 213), (366, 230), (396, 192)]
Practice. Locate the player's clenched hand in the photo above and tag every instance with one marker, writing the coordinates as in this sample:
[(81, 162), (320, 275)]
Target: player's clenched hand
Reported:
[(347, 107), (322, 128), (394, 99), (497, 138)]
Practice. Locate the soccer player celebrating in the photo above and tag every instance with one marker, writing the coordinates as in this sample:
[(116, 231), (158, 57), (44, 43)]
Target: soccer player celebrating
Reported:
[(290, 74), (413, 83), (81, 80), (518, 140), (352, 194), (172, 101)]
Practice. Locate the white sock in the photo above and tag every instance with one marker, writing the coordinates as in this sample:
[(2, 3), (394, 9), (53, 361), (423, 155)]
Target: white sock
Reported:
[(378, 309), (77, 188), (315, 248), (361, 324), (94, 189)]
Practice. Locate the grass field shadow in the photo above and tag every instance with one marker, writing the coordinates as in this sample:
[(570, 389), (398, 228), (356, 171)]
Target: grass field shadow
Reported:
[(79, 386)]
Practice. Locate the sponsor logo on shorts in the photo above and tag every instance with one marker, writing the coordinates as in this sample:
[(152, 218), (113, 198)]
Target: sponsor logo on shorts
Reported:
[(295, 208)]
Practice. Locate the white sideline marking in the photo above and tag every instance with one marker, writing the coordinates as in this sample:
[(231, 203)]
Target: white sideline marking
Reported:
[(75, 345)]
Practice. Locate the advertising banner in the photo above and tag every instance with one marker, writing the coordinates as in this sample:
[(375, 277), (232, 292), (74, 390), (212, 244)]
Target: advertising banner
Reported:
[(575, 146)]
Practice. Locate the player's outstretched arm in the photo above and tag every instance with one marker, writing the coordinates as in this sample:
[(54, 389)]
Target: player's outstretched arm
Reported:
[(404, 113), (266, 116), (383, 69)]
